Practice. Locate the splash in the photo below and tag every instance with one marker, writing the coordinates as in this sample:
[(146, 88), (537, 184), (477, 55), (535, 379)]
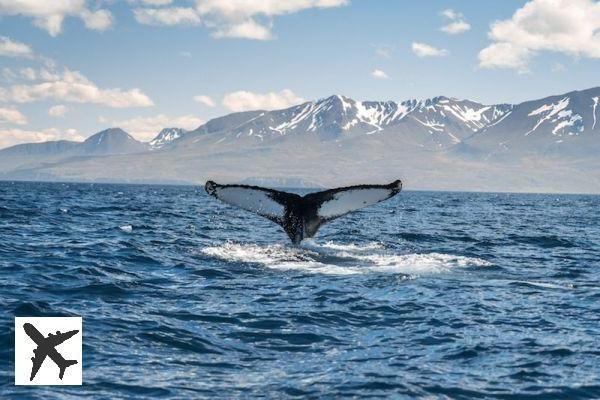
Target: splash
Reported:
[(341, 259)]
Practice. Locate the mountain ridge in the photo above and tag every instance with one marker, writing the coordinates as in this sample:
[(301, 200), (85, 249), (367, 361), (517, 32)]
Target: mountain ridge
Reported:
[(442, 142)]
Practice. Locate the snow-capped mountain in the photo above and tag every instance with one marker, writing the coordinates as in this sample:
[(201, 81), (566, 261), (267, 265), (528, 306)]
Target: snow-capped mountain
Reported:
[(567, 125), (432, 123), (166, 136)]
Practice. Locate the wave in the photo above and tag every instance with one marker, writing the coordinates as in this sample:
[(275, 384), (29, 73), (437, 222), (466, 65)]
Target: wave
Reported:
[(546, 285), (340, 259)]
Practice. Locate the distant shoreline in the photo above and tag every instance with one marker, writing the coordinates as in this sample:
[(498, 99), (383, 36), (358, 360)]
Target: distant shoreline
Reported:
[(201, 184)]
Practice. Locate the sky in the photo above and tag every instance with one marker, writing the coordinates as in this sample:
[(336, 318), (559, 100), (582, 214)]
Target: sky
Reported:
[(71, 68)]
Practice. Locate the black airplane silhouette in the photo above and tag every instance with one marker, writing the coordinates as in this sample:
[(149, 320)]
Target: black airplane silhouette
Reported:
[(46, 347)]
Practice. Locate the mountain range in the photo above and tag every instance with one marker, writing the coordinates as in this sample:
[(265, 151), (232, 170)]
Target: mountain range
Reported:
[(550, 144)]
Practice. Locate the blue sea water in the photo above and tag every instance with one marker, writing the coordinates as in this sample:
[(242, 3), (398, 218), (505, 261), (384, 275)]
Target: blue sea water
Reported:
[(428, 295)]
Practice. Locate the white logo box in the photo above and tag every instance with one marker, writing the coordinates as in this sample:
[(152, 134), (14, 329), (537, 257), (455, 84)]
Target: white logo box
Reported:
[(69, 351)]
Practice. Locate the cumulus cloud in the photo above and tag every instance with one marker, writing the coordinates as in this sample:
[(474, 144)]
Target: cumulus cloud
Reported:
[(456, 22), (425, 50), (146, 128), (249, 29), (238, 18), (98, 20), (248, 19), (244, 100), (456, 27), (72, 86), (12, 116), (167, 16), (379, 74), (205, 100), (571, 27), (50, 14), (505, 55), (58, 110), (11, 48), (11, 137)]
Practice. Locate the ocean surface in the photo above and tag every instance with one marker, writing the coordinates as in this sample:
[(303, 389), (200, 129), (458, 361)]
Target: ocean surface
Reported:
[(428, 295)]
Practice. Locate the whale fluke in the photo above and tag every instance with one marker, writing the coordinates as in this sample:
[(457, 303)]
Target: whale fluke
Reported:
[(301, 216)]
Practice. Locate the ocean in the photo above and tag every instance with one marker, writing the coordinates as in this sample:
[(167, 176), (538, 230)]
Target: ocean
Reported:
[(428, 295)]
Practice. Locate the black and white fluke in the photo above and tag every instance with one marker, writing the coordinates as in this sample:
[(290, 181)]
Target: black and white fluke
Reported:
[(302, 216)]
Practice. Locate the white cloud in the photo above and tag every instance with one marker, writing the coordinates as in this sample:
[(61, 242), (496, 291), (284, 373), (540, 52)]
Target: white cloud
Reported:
[(146, 128), (505, 55), (456, 27), (11, 137), (457, 22), (243, 100), (58, 110), (12, 116), (425, 50), (167, 16), (379, 74), (203, 99), (238, 18), (249, 29), (11, 48), (49, 14), (98, 20), (186, 54), (234, 9), (249, 19), (451, 14), (72, 86), (571, 27)]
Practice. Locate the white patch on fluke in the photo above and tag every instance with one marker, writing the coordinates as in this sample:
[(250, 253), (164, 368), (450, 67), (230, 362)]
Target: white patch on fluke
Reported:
[(339, 259), (350, 200), (257, 201)]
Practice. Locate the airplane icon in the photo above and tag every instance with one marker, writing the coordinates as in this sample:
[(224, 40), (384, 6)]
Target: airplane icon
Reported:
[(46, 347)]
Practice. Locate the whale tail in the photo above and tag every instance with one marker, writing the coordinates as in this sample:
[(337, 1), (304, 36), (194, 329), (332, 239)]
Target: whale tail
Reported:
[(302, 216)]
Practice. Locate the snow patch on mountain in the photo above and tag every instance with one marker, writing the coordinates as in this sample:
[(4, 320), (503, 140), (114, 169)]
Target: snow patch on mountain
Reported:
[(595, 100), (166, 136), (565, 120)]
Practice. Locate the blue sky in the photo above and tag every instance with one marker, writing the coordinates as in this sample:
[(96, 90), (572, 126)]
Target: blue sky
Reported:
[(141, 63)]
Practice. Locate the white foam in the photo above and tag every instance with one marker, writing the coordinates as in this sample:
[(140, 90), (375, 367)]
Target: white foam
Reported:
[(549, 285), (276, 257), (341, 259), (126, 228), (310, 243)]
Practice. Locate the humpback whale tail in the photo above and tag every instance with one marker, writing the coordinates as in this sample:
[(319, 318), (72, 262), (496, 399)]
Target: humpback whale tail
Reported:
[(302, 216)]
